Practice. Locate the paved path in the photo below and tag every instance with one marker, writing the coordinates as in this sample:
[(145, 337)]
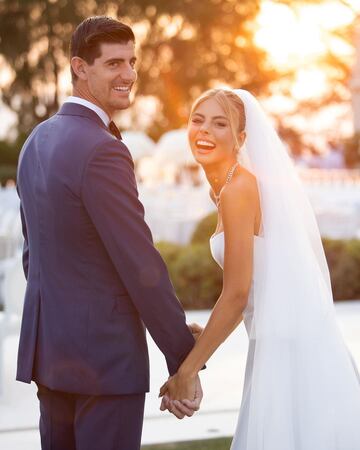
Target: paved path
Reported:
[(222, 383)]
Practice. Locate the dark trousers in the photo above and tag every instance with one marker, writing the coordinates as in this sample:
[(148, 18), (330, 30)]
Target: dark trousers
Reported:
[(82, 422)]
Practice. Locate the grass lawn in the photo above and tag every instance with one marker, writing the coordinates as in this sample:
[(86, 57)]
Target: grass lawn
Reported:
[(209, 444)]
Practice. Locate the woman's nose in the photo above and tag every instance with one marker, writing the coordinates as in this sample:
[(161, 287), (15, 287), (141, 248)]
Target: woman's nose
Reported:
[(204, 127)]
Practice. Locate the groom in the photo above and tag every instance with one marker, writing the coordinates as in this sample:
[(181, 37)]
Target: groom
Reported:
[(94, 278)]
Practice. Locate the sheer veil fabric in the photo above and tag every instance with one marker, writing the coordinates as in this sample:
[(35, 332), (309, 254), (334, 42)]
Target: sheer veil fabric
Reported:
[(302, 386)]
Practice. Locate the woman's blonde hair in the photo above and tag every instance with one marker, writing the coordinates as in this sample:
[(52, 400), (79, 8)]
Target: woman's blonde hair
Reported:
[(231, 104)]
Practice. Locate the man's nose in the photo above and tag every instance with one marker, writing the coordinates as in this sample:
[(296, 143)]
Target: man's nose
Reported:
[(129, 74)]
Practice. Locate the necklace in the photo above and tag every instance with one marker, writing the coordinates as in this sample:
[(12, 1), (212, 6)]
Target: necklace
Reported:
[(228, 179)]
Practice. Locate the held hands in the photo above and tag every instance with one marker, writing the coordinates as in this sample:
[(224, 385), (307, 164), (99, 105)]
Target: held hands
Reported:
[(195, 330), (181, 395)]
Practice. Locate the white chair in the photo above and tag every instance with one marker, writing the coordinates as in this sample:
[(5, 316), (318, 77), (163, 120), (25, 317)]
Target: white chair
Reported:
[(7, 220), (13, 292)]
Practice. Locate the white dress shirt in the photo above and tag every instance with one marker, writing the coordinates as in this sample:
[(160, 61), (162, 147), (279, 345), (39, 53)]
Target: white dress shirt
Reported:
[(81, 101)]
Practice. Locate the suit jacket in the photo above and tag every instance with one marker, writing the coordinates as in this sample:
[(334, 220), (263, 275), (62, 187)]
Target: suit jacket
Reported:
[(94, 278)]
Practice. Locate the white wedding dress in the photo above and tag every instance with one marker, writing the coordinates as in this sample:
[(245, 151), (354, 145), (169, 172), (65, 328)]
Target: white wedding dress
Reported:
[(301, 400)]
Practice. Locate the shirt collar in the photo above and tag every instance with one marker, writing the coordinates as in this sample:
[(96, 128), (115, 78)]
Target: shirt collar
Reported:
[(81, 101)]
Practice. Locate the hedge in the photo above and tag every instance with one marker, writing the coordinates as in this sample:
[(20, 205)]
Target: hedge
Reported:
[(197, 278)]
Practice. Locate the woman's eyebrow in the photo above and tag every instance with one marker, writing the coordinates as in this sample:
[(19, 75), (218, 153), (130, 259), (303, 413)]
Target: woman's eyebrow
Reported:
[(215, 117)]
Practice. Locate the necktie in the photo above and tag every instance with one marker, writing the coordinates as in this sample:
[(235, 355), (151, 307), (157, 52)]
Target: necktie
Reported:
[(114, 130)]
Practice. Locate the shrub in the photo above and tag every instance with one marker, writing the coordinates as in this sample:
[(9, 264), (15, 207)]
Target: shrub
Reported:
[(197, 278), (9, 154), (169, 252), (344, 263), (7, 172), (352, 151), (205, 228)]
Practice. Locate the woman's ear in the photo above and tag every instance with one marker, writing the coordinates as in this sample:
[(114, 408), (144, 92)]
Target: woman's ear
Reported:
[(241, 138)]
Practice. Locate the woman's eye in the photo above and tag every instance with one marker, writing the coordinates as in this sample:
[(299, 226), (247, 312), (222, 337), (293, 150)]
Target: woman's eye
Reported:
[(220, 124), (196, 120)]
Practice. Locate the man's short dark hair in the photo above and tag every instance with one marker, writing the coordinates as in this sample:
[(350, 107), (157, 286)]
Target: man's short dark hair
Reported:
[(94, 31)]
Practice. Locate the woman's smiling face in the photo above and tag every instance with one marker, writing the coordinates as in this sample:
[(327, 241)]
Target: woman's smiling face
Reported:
[(210, 134)]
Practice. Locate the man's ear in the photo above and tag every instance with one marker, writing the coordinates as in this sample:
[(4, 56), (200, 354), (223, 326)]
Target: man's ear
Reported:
[(79, 66)]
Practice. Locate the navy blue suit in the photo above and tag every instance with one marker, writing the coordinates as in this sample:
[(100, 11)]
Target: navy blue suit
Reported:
[(94, 278)]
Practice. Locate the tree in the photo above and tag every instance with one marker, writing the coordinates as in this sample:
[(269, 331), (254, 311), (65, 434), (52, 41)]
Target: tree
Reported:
[(183, 47), (34, 37)]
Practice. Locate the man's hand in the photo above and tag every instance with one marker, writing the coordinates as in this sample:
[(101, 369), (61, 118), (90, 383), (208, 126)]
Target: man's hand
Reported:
[(178, 404), (195, 329)]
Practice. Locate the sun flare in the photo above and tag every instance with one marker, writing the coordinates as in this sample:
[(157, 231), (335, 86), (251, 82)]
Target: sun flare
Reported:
[(299, 36)]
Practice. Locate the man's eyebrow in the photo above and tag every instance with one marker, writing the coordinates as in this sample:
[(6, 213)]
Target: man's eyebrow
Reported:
[(111, 60), (215, 117)]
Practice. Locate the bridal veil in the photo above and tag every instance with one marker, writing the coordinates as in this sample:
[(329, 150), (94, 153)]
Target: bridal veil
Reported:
[(304, 387)]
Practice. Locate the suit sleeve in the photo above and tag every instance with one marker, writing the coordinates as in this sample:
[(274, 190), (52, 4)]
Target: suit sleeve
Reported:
[(110, 196)]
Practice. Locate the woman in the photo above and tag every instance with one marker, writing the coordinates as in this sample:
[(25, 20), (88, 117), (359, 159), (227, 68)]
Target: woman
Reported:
[(302, 388)]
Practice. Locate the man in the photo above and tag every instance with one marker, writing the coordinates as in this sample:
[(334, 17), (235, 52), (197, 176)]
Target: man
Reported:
[(93, 275)]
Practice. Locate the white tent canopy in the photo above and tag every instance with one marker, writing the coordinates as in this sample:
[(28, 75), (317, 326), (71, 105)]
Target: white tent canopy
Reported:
[(173, 148), (138, 143)]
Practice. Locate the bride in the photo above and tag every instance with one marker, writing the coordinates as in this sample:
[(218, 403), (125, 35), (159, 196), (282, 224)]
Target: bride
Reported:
[(302, 388)]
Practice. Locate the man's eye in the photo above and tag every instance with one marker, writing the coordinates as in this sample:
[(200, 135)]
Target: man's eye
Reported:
[(113, 64)]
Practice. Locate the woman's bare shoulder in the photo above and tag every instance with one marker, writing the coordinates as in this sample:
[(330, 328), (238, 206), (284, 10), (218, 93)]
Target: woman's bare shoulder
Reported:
[(242, 188)]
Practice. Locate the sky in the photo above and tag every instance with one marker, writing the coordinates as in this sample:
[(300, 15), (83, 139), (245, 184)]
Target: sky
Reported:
[(298, 39)]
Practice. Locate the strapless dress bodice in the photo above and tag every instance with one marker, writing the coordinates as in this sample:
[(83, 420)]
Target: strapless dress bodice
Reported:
[(217, 246)]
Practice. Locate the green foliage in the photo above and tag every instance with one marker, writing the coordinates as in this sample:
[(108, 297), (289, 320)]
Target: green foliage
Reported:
[(9, 154), (352, 151), (205, 229), (9, 151), (197, 279), (34, 41), (7, 172), (208, 444), (344, 263), (170, 253), (196, 276)]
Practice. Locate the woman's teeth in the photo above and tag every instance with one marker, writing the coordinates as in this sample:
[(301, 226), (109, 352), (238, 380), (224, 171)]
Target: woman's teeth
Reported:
[(206, 145)]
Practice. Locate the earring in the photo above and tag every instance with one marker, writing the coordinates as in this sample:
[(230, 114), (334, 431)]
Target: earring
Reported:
[(240, 157)]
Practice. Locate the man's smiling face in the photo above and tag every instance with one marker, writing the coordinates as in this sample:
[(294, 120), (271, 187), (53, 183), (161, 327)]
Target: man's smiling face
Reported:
[(107, 82)]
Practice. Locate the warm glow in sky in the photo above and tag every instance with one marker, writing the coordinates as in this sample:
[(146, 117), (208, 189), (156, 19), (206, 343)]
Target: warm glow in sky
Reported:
[(295, 38), (298, 37), (291, 36)]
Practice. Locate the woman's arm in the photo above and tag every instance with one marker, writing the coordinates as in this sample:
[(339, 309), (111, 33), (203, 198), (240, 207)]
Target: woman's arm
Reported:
[(239, 204)]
